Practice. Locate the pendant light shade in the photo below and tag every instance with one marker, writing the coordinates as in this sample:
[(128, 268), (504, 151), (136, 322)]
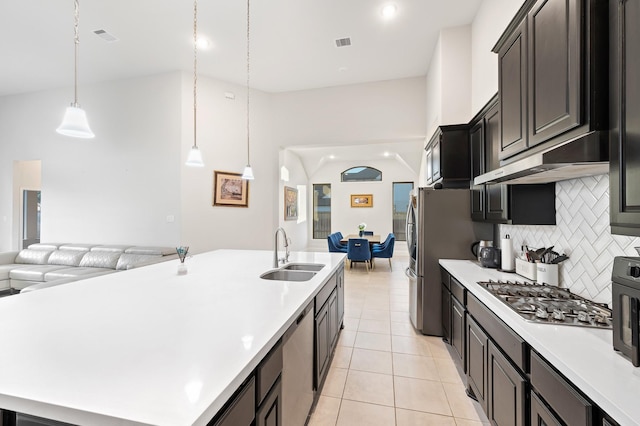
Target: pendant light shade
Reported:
[(195, 158), (195, 155), (75, 122), (247, 173)]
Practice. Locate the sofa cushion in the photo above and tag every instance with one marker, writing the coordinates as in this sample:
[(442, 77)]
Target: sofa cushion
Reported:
[(45, 246), (77, 247), (33, 257), (79, 272), (158, 251), (33, 272), (66, 257), (116, 248), (97, 259), (5, 269), (39, 286), (130, 261)]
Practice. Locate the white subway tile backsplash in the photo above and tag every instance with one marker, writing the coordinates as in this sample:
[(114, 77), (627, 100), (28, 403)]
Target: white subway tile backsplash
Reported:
[(583, 233)]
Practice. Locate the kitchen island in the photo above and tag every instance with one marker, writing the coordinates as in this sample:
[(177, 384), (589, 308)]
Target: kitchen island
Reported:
[(148, 346), (583, 355)]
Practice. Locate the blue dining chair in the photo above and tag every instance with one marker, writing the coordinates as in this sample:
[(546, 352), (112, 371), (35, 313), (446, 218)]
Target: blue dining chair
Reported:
[(384, 250), (337, 239), (384, 243), (335, 246), (358, 251)]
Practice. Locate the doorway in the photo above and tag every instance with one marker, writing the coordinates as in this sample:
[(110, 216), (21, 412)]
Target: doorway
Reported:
[(401, 192), (30, 217)]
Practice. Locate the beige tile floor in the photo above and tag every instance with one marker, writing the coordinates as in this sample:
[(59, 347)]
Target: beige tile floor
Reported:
[(383, 372)]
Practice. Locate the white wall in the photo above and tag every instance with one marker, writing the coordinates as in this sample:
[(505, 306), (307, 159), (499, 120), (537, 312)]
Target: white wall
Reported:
[(491, 20), (222, 138), (297, 230), (382, 111), (345, 218)]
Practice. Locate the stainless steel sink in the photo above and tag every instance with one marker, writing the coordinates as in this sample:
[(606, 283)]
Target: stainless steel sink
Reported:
[(304, 266), (288, 275)]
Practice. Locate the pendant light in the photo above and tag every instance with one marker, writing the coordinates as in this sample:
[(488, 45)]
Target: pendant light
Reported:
[(248, 172), (195, 156), (75, 122)]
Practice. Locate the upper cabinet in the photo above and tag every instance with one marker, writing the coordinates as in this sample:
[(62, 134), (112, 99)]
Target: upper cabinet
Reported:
[(624, 109), (552, 82), (447, 157)]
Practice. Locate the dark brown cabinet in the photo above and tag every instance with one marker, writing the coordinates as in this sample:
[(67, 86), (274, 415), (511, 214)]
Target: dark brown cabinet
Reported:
[(540, 414), (329, 313), (323, 343), (512, 89), (506, 387), (624, 109), (270, 411), (458, 329), (554, 50), (477, 146), (446, 314), (477, 355), (552, 75), (241, 409), (447, 157)]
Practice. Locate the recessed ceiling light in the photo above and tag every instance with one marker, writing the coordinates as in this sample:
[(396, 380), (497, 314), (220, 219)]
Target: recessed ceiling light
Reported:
[(386, 154), (389, 11), (203, 43), (331, 157)]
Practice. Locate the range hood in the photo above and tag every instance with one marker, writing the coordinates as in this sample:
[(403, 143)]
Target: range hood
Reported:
[(586, 155)]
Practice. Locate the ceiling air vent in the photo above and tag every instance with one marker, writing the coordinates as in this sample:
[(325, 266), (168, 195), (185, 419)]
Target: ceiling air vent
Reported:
[(105, 36), (343, 42)]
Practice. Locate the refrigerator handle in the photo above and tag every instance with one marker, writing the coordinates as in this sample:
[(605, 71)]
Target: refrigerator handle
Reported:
[(409, 273)]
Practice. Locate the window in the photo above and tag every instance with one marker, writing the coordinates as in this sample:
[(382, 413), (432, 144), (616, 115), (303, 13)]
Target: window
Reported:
[(361, 174), (401, 192), (321, 210)]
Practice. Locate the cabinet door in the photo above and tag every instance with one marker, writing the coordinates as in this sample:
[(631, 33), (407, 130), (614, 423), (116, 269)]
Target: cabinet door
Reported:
[(241, 412), (507, 391), (476, 138), (512, 81), (436, 158), (446, 314), (540, 414), (270, 412), (477, 352), (323, 343), (624, 109), (340, 287), (334, 322), (554, 68), (458, 330), (429, 163), (497, 195)]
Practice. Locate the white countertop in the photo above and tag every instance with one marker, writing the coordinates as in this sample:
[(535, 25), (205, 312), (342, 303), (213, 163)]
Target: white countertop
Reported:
[(147, 346), (584, 355)]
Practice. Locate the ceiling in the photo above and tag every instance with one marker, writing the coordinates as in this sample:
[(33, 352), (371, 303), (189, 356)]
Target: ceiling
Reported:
[(292, 41)]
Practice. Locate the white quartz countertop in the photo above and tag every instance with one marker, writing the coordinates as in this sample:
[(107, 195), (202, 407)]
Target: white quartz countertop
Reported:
[(146, 346), (584, 355)]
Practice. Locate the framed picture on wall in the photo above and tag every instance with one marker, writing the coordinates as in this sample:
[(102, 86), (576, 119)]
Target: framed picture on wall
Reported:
[(361, 200), (229, 189), (290, 203)]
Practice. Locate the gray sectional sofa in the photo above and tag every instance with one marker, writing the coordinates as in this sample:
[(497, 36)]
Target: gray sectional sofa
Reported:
[(46, 265)]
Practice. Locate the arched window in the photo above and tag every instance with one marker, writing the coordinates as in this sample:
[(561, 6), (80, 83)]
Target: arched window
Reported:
[(361, 174)]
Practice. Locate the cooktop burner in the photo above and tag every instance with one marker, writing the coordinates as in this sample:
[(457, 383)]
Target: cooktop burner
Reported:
[(549, 304)]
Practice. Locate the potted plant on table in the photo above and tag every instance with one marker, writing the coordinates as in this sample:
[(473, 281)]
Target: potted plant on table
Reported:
[(361, 228)]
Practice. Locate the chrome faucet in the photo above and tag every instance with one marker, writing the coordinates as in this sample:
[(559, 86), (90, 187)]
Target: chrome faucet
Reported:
[(285, 259)]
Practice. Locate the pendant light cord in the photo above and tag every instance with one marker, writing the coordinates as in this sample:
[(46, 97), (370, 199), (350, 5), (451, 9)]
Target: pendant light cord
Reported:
[(248, 73), (195, 68), (76, 23)]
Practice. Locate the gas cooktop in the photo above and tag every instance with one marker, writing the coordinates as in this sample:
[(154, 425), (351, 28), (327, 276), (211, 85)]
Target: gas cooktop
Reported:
[(549, 304)]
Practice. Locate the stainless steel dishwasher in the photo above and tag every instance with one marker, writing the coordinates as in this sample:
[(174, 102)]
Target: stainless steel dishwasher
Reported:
[(297, 370)]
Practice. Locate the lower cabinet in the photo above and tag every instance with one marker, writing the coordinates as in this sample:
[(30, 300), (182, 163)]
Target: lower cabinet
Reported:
[(477, 354), (458, 327), (241, 410), (322, 343), (507, 391), (446, 313), (328, 320), (540, 414), (270, 411)]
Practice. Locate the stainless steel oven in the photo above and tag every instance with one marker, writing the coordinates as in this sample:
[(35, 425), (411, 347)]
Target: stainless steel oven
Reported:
[(625, 285)]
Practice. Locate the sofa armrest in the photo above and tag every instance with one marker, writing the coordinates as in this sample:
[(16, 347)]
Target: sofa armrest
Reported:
[(8, 257), (151, 261)]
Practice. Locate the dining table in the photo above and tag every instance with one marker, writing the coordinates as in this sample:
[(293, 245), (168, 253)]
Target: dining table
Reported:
[(373, 239)]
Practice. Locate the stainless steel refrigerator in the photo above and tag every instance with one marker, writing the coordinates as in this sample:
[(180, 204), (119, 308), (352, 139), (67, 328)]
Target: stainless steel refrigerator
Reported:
[(439, 226)]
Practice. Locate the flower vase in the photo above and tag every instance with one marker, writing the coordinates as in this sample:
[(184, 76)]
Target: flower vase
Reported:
[(361, 233)]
